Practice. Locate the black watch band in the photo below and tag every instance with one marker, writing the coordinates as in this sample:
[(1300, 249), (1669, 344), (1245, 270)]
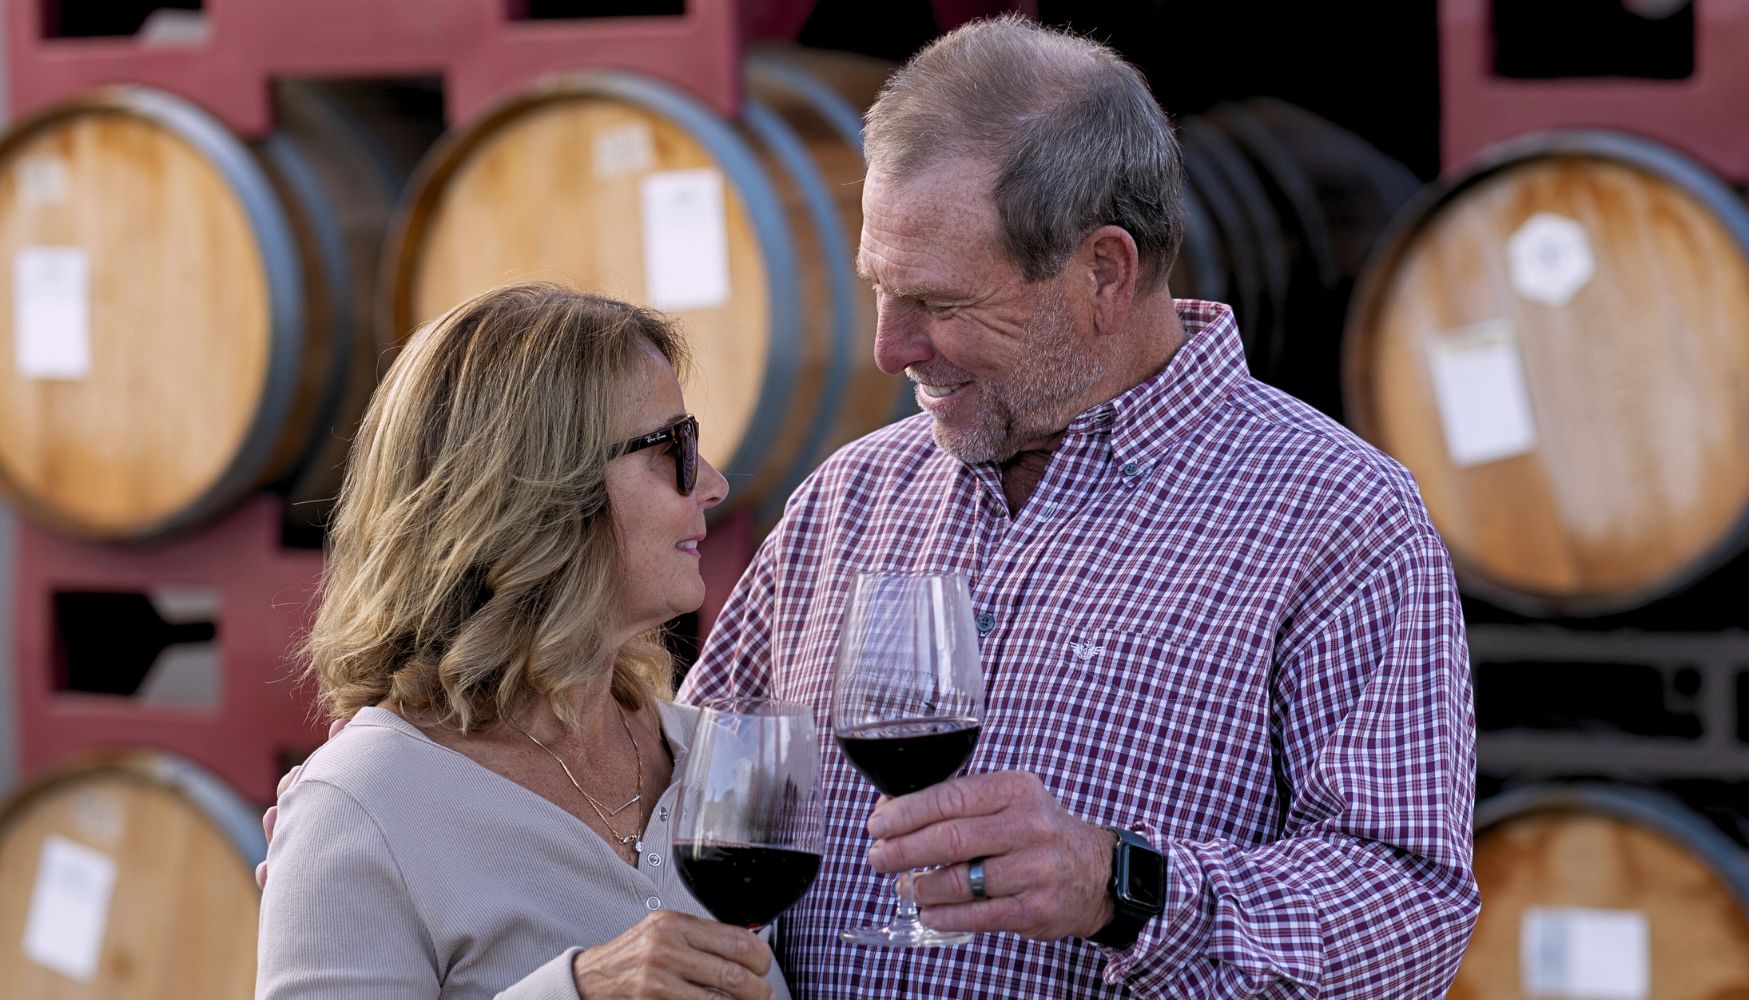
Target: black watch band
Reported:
[(1137, 889)]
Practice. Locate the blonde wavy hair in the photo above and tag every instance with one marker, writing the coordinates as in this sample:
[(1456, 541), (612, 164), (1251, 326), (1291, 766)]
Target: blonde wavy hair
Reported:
[(472, 557)]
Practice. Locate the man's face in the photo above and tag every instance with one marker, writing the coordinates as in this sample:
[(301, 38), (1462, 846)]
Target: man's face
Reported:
[(999, 363)]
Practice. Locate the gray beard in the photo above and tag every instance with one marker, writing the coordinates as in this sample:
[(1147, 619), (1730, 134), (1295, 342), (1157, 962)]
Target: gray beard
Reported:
[(1040, 397)]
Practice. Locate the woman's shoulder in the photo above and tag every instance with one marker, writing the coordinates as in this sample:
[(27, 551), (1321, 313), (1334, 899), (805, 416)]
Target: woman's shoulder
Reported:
[(377, 752)]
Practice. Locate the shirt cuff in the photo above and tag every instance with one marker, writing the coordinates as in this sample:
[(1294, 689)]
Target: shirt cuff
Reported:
[(552, 981), (1173, 936), (1198, 938)]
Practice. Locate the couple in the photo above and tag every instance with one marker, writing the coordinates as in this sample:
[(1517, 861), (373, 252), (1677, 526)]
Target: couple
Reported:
[(1228, 747)]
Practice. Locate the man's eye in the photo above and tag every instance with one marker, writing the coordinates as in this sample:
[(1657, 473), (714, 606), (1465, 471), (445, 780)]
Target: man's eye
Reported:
[(937, 308)]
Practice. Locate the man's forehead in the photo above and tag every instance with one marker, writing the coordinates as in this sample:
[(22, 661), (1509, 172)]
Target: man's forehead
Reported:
[(914, 219)]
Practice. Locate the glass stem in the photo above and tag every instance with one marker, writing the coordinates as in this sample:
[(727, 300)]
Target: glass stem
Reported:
[(905, 890)]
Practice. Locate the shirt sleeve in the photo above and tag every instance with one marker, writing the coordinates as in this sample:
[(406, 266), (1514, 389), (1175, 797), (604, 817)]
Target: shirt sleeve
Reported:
[(1369, 891), (337, 920)]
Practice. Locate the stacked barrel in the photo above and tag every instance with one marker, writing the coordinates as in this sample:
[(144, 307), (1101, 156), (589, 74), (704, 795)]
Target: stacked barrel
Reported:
[(1554, 339)]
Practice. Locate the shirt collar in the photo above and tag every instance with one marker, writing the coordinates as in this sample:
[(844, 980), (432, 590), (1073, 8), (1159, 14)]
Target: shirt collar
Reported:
[(1144, 420)]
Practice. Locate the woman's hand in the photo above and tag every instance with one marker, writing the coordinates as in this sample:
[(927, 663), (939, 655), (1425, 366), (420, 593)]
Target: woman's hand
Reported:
[(669, 954), (271, 816)]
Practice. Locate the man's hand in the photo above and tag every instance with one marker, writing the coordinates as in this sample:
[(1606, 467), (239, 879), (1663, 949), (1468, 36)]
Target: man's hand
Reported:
[(1045, 872), (271, 816)]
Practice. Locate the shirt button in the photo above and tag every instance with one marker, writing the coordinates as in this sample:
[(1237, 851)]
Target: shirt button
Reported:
[(654, 859), (654, 903), (986, 623), (662, 814), (1131, 470)]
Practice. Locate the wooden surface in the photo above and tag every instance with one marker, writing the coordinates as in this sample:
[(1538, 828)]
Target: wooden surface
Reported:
[(517, 199), (178, 326), (1638, 386), (1699, 930), (522, 195), (182, 913)]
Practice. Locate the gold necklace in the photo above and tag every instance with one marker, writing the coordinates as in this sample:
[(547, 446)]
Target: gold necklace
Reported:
[(635, 839)]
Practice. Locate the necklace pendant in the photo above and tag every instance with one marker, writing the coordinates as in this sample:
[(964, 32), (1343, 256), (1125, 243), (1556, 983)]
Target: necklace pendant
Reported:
[(636, 841), (634, 800)]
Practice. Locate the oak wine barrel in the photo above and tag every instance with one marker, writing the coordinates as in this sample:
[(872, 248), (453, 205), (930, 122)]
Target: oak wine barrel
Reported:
[(744, 230), (1601, 890), (185, 325), (1556, 344), (129, 875)]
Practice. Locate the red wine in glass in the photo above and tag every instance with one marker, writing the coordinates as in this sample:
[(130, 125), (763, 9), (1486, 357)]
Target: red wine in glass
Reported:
[(909, 755), (747, 834), (745, 885)]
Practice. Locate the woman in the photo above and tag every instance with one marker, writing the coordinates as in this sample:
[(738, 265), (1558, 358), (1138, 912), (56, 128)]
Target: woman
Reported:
[(522, 512)]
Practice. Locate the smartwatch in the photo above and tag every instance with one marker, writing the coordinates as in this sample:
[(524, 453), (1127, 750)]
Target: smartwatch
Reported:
[(1138, 889)]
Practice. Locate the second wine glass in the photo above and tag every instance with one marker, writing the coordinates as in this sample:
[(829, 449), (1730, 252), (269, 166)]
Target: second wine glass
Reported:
[(747, 831), (907, 704)]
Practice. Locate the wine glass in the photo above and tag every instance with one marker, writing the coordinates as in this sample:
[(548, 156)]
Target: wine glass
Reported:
[(747, 833), (907, 704)]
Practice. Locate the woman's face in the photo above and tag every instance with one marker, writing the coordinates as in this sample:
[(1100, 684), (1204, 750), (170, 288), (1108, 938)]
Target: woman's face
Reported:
[(659, 530)]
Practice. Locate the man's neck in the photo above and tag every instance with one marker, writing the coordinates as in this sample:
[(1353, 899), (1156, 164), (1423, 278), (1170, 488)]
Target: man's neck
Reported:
[(1022, 473)]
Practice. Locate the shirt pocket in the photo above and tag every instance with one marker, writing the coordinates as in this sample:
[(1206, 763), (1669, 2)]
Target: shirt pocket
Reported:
[(1133, 724)]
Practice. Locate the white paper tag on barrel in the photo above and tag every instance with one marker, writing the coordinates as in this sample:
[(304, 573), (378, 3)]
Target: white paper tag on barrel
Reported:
[(69, 908), (623, 151), (1580, 953), (43, 180), (1549, 259), (686, 240), (1478, 386), (51, 312)]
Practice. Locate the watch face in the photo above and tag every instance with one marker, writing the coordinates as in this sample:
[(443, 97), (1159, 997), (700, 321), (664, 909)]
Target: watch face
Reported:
[(1146, 885)]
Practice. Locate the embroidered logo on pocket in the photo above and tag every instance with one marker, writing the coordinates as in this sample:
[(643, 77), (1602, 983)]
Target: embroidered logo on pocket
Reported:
[(1085, 650)]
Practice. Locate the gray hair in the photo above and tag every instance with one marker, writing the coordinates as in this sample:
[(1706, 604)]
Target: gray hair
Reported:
[(1074, 134)]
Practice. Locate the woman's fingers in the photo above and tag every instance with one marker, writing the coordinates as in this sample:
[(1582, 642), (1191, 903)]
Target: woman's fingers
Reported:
[(670, 954)]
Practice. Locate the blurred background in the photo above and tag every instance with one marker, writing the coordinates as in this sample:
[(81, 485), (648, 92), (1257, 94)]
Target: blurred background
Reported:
[(1504, 240)]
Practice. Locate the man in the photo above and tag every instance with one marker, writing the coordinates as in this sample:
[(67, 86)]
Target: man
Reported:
[(1219, 635)]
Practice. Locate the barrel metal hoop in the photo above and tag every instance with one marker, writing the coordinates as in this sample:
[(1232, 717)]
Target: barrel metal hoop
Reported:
[(336, 265), (802, 172), (828, 104)]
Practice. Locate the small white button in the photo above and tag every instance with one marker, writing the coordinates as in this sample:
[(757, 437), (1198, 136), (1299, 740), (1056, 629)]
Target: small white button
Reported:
[(654, 903), (662, 813), (654, 859)]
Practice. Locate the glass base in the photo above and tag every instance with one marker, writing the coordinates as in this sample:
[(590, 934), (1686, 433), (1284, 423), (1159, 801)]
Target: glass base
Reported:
[(901, 935)]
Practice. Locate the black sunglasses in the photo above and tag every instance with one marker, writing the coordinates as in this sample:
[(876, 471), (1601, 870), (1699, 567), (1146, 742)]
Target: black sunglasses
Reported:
[(681, 437)]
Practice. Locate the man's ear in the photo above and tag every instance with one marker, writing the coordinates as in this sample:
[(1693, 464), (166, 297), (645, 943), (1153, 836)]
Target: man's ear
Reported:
[(1113, 268)]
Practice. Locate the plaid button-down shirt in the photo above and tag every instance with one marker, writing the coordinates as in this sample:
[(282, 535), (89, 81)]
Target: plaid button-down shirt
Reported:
[(1220, 620)]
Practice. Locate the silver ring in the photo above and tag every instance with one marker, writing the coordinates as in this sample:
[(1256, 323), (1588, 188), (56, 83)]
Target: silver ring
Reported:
[(975, 877)]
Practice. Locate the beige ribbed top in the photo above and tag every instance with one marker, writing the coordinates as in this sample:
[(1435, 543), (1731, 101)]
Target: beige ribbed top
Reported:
[(403, 869)]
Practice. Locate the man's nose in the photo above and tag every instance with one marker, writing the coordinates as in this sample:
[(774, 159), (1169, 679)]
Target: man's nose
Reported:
[(901, 338)]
